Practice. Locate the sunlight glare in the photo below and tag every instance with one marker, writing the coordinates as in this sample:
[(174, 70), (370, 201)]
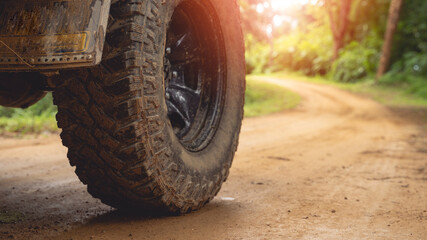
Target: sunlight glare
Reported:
[(284, 4), (277, 20), (260, 8)]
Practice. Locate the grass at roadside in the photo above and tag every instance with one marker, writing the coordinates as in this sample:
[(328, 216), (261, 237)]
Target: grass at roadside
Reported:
[(36, 119), (263, 98), (393, 95), (24, 125)]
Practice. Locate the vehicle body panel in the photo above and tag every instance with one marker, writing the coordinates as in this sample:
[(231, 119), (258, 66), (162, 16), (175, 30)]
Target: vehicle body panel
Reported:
[(51, 34)]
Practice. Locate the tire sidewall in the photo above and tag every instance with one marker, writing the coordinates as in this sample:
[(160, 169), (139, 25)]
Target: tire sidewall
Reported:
[(218, 155)]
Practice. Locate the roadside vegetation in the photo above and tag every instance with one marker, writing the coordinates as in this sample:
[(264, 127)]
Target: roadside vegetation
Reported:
[(337, 42), (261, 99), (264, 98), (393, 93), (342, 43), (39, 118)]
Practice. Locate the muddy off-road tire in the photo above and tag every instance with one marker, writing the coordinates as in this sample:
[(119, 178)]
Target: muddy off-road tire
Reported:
[(156, 125)]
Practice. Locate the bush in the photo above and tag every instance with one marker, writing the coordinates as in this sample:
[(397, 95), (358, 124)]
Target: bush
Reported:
[(257, 55), (35, 119), (357, 60), (308, 52), (412, 63), (410, 73), (411, 34)]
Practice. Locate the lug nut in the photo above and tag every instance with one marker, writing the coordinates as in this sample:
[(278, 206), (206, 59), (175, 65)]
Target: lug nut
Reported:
[(168, 50), (174, 74), (168, 96)]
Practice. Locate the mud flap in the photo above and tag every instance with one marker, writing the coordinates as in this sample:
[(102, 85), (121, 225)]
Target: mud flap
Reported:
[(51, 34)]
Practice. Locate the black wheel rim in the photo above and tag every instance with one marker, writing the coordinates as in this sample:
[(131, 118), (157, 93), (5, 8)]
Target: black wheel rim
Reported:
[(195, 73)]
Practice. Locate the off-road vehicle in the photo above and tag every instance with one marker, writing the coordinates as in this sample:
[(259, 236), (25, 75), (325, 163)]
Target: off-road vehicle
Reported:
[(150, 93)]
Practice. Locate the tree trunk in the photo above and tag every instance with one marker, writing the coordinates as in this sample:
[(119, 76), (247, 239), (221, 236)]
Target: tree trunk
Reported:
[(339, 19), (393, 19), (338, 44)]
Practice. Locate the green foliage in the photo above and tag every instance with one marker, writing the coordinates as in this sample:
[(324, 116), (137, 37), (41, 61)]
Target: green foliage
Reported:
[(412, 30), (35, 119), (409, 62), (44, 107), (357, 59), (409, 59), (412, 63), (306, 52), (394, 92), (263, 98), (409, 75), (307, 47), (257, 55), (367, 16)]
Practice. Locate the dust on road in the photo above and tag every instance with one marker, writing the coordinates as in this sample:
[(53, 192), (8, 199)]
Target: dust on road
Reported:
[(338, 167)]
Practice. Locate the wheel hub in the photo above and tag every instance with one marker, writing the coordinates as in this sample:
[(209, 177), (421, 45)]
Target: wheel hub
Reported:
[(194, 68)]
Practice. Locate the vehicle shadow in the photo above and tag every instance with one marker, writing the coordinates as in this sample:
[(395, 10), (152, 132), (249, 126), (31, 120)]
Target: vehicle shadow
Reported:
[(69, 212), (209, 221), (42, 198)]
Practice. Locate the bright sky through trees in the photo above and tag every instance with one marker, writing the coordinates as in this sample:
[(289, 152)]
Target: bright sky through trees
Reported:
[(280, 7), (284, 4)]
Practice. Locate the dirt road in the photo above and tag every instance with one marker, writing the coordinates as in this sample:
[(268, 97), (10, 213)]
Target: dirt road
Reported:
[(338, 167)]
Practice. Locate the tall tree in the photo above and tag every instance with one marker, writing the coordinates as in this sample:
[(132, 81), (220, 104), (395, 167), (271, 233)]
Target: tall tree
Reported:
[(254, 22), (393, 19), (338, 11)]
